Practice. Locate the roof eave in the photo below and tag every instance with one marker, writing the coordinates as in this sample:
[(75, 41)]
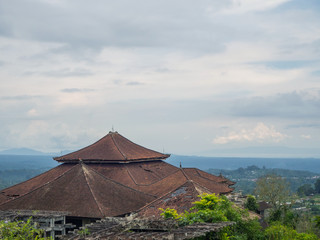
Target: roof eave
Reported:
[(61, 160)]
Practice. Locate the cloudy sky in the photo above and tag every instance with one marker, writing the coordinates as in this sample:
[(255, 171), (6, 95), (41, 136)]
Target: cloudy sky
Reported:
[(179, 76)]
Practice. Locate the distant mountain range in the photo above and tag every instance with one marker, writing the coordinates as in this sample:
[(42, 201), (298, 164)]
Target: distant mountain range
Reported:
[(29, 151), (21, 151), (248, 152), (265, 151), (30, 158)]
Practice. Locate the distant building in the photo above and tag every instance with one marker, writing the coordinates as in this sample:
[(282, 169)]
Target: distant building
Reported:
[(112, 177)]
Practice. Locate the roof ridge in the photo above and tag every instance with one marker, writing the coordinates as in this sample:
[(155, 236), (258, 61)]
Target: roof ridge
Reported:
[(54, 158), (47, 183), (217, 183), (155, 181), (163, 195), (30, 178), (115, 143), (181, 169), (130, 175), (93, 195), (116, 182), (195, 183), (222, 182)]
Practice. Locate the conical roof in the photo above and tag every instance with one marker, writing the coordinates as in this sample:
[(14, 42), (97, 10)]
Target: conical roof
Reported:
[(112, 148), (82, 192)]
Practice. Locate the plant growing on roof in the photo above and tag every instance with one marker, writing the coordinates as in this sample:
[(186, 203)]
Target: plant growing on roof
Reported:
[(214, 208)]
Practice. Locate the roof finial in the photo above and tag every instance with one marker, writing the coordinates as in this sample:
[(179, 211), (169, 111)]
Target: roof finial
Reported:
[(180, 165)]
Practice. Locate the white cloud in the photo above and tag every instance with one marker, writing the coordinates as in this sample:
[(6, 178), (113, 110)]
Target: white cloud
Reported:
[(32, 112), (244, 6), (306, 136), (158, 66), (259, 133)]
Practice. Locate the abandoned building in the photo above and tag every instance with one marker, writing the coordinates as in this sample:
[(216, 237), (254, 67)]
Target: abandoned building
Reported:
[(113, 177), (142, 229)]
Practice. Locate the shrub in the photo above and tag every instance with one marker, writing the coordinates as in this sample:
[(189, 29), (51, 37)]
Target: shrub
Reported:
[(212, 208), (281, 232), (20, 230)]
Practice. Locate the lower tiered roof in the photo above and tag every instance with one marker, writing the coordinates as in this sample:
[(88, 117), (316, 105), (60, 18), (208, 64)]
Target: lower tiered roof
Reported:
[(97, 189)]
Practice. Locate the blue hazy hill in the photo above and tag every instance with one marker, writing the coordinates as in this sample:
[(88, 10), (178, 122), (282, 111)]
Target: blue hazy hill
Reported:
[(44, 160), (231, 163), (12, 162), (21, 151)]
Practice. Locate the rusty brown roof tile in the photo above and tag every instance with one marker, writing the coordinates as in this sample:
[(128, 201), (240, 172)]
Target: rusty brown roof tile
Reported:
[(112, 148), (82, 192), (3, 198), (180, 199), (213, 186), (37, 181), (219, 179)]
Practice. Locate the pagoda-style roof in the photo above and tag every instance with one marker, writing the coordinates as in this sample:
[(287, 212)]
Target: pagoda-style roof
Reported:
[(112, 148), (93, 182), (82, 192)]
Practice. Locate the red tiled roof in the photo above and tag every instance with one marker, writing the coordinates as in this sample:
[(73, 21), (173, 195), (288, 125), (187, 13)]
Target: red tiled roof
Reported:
[(198, 172), (98, 190), (263, 206), (3, 198), (82, 192), (37, 181), (112, 148), (180, 199), (158, 177), (140, 173), (212, 185)]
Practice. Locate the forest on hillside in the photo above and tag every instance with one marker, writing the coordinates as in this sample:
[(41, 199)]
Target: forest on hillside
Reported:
[(246, 178)]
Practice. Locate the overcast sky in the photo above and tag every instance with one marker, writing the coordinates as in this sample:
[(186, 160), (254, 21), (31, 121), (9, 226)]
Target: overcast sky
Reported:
[(179, 76)]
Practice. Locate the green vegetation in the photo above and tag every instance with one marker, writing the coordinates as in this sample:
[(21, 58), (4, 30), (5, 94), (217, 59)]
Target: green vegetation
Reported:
[(246, 177), (84, 232), (19, 230), (273, 189), (308, 190), (251, 203), (212, 208), (280, 232), (283, 222)]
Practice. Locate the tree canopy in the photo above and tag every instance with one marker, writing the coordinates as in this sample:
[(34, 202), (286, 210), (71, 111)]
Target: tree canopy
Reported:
[(273, 189)]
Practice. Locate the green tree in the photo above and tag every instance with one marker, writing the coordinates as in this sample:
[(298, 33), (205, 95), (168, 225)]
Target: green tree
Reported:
[(305, 190), (281, 232), (20, 230), (284, 215), (251, 203), (212, 208), (317, 186), (273, 189)]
